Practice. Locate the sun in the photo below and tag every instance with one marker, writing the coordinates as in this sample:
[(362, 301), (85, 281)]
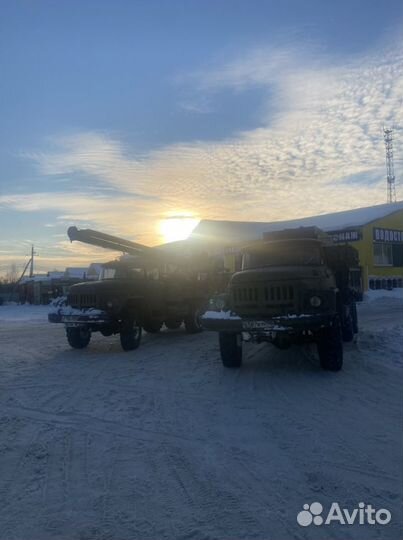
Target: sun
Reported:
[(177, 227)]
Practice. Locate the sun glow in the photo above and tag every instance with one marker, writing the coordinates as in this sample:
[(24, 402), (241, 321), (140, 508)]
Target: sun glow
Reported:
[(177, 227)]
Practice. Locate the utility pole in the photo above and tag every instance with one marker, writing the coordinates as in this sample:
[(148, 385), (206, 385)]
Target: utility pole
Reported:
[(29, 264), (390, 170), (31, 268)]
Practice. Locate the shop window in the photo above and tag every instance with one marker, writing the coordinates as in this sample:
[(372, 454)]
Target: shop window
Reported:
[(372, 284), (400, 283), (397, 254), (383, 255)]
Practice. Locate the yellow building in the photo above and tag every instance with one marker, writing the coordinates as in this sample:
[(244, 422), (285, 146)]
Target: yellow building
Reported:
[(376, 232), (380, 245)]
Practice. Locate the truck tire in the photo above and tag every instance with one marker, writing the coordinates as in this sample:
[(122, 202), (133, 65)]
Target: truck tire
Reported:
[(330, 347), (230, 349), (78, 337), (192, 322), (172, 324), (152, 327), (130, 335)]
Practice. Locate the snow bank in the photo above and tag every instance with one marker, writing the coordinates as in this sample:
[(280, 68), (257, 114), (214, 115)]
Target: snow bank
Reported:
[(23, 313), (12, 312), (383, 294)]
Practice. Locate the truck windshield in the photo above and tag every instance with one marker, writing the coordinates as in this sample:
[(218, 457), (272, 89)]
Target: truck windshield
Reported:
[(287, 254), (121, 273), (107, 273)]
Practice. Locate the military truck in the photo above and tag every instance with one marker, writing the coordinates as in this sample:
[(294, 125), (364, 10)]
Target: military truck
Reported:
[(144, 289), (294, 287)]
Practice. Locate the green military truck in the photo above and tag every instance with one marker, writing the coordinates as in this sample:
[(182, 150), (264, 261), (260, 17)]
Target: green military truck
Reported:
[(144, 289), (294, 287)]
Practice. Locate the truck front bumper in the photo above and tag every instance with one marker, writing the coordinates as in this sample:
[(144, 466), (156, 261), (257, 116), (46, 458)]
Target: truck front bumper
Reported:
[(79, 317), (290, 324)]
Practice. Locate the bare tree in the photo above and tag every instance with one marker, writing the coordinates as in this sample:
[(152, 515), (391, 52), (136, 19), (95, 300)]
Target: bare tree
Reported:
[(12, 274)]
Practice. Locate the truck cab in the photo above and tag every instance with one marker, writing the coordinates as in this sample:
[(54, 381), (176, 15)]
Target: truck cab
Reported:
[(293, 287)]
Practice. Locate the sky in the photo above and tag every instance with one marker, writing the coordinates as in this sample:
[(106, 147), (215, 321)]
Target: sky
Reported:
[(141, 117)]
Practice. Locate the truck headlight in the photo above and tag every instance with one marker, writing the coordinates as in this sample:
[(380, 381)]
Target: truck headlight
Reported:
[(315, 301)]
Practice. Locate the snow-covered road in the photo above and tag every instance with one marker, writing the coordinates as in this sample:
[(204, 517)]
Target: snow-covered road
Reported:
[(163, 442)]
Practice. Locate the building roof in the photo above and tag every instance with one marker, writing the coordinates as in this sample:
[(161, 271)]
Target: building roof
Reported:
[(36, 277), (55, 274), (75, 272), (245, 231)]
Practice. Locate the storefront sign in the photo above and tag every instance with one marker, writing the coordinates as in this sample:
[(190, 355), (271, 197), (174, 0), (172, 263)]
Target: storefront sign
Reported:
[(388, 235), (345, 236)]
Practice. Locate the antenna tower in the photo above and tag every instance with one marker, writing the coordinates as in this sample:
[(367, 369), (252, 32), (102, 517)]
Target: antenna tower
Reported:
[(390, 170)]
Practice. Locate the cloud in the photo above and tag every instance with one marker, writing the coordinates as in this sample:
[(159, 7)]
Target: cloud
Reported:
[(321, 139), (123, 214), (327, 127)]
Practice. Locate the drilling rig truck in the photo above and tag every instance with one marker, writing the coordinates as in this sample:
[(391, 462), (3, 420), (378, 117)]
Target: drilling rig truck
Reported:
[(144, 289)]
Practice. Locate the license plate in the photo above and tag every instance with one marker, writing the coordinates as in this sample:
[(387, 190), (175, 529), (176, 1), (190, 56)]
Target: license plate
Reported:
[(256, 325)]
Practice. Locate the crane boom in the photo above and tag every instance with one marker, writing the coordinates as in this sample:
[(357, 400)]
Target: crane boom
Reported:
[(107, 241), (115, 243)]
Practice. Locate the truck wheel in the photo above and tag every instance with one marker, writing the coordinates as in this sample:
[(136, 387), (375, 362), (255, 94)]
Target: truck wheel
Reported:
[(330, 347), (230, 349), (193, 322), (172, 324), (78, 337), (152, 327), (130, 335)]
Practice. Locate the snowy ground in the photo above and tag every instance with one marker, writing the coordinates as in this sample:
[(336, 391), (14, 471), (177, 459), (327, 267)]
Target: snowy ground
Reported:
[(165, 443)]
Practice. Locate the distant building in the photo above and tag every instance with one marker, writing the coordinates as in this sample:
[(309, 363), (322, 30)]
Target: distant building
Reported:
[(35, 289), (76, 273), (55, 274), (42, 288), (376, 232)]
